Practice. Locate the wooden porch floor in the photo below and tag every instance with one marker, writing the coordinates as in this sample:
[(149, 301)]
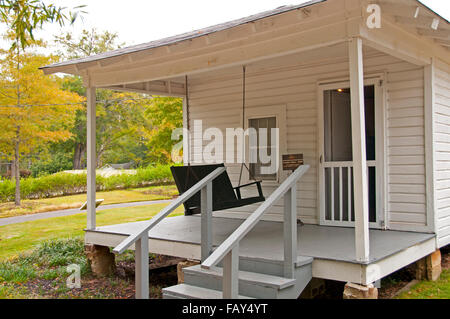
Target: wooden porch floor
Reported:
[(265, 241)]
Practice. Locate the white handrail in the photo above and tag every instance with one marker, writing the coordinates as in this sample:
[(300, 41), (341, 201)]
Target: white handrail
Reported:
[(233, 240), (124, 245)]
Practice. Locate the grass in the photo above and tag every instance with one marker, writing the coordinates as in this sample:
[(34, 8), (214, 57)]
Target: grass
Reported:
[(42, 273), (19, 238), (65, 202), (439, 289)]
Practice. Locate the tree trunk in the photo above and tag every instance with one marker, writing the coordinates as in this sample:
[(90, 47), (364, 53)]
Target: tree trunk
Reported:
[(13, 170), (17, 141), (17, 172), (80, 150)]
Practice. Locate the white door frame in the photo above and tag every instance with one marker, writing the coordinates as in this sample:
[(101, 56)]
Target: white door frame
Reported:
[(377, 81)]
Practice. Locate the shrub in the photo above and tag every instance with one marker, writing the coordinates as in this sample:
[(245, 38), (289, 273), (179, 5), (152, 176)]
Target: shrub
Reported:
[(57, 163), (61, 184), (49, 260), (23, 173)]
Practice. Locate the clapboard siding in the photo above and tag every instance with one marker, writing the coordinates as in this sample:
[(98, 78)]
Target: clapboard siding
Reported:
[(442, 152), (406, 148), (216, 98)]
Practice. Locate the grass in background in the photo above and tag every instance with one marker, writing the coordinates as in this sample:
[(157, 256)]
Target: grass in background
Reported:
[(439, 289), (19, 238), (75, 201)]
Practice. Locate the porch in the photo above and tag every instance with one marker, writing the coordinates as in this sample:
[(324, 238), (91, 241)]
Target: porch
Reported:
[(286, 66), (332, 248)]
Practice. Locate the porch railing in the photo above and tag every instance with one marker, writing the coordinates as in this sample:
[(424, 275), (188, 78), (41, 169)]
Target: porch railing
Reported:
[(140, 238), (228, 251), (340, 178)]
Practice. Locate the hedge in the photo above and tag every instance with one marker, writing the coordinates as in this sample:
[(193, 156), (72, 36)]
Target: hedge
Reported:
[(61, 184)]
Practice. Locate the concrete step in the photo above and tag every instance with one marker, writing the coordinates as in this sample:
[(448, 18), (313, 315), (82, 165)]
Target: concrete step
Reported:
[(185, 291)]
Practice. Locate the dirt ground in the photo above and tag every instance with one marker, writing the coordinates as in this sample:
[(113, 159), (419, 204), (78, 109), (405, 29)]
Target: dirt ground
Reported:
[(118, 286)]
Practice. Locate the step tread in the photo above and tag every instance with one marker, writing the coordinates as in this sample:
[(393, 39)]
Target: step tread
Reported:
[(252, 277), (301, 260), (194, 292)]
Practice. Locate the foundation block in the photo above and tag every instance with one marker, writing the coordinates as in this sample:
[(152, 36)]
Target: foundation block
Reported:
[(355, 291), (102, 261)]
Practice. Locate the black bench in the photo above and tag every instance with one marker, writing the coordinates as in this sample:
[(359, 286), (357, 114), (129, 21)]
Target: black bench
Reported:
[(225, 196)]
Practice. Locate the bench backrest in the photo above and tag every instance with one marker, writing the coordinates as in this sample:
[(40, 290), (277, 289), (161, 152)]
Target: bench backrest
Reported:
[(187, 176)]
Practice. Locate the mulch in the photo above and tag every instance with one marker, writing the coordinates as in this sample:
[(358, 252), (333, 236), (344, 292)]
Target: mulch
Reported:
[(163, 273)]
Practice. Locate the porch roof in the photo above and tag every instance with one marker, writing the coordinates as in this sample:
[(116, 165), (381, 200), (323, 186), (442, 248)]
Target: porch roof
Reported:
[(402, 12), (184, 36)]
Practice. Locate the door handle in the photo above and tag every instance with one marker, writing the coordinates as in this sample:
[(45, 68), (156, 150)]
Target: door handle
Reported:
[(320, 159)]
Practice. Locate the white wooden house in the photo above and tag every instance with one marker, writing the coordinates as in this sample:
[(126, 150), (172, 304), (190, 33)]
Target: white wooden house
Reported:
[(367, 105)]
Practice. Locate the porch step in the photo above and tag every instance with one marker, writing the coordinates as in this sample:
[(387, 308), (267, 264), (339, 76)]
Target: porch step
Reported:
[(251, 283), (185, 291), (270, 267), (245, 277)]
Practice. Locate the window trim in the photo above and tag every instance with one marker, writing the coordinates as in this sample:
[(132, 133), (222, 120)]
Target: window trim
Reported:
[(279, 112)]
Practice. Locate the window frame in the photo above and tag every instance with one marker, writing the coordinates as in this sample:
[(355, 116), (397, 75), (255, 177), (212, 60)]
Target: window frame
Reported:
[(259, 112)]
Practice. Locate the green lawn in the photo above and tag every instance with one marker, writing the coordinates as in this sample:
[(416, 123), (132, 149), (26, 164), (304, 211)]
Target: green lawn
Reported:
[(19, 238), (75, 201), (439, 289)]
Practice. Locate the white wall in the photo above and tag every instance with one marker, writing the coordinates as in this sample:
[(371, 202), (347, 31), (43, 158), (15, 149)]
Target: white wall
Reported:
[(406, 148), (292, 81), (442, 151)]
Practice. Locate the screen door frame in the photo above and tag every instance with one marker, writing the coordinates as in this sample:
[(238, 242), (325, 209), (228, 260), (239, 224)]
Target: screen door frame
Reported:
[(380, 158)]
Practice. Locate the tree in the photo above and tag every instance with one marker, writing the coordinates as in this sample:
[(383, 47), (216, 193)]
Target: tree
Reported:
[(89, 43), (40, 113), (22, 17), (130, 126), (165, 114)]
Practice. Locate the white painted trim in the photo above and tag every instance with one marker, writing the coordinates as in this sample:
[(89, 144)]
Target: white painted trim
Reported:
[(150, 92), (186, 136), (430, 179), (336, 270), (91, 157), (368, 273), (381, 144), (388, 265), (361, 198), (279, 112), (156, 246), (385, 188)]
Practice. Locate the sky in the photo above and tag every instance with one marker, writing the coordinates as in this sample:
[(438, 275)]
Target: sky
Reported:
[(139, 21)]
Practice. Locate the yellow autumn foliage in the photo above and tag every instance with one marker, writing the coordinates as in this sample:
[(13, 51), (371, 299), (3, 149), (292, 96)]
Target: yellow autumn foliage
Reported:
[(32, 104)]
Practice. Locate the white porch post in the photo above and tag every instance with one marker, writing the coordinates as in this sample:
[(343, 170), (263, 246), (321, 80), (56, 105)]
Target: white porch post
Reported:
[(359, 150), (206, 221), (91, 157)]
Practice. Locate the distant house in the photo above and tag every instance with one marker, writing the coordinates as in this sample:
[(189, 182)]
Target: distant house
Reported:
[(367, 104)]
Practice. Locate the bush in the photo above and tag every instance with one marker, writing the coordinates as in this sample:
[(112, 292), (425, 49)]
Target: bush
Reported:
[(61, 184), (23, 173), (49, 260), (58, 163)]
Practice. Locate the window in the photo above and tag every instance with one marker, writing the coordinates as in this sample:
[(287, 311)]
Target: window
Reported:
[(262, 145)]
